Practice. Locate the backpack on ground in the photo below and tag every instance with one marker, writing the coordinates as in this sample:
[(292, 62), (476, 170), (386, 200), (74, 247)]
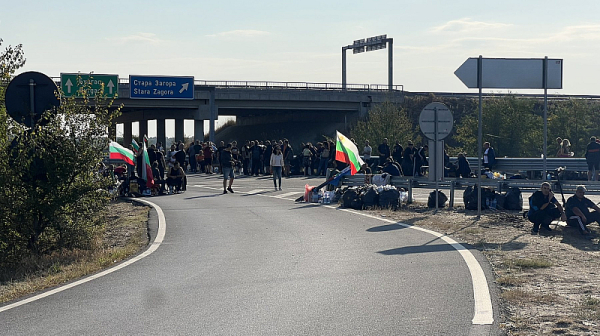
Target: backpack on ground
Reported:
[(389, 198), (370, 196), (442, 198), (514, 199)]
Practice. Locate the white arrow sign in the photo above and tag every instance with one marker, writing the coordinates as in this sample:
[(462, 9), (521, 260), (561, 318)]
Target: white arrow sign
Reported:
[(69, 84), (184, 87), (110, 86), (511, 73)]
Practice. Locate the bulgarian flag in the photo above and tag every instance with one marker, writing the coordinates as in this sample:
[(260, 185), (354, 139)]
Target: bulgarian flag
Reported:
[(136, 147), (118, 152), (346, 151), (147, 169)]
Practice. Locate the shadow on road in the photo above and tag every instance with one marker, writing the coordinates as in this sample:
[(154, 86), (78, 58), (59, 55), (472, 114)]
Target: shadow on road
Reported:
[(418, 249)]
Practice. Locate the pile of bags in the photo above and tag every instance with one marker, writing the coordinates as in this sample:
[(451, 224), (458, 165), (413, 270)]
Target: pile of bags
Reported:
[(510, 200), (370, 196)]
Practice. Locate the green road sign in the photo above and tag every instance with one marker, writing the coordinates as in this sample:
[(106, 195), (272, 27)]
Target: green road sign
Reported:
[(73, 85)]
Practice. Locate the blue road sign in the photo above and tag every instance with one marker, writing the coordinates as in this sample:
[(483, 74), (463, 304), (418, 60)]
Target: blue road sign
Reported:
[(161, 87)]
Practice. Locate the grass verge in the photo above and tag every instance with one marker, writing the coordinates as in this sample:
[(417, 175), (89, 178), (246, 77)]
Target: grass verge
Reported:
[(125, 233)]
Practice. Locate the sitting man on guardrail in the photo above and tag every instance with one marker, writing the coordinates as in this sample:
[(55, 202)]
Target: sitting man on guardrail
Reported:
[(578, 210), (544, 208)]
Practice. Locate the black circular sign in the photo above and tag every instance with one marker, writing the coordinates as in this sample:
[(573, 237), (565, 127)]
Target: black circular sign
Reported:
[(20, 92)]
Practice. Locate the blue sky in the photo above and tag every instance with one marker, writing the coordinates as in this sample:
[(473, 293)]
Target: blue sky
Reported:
[(301, 41)]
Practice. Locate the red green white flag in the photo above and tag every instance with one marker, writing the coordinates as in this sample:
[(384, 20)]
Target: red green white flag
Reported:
[(346, 151), (147, 169), (134, 144), (118, 152)]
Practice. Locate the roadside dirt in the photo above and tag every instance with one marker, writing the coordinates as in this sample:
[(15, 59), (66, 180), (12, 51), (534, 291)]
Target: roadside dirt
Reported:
[(125, 234), (549, 283)]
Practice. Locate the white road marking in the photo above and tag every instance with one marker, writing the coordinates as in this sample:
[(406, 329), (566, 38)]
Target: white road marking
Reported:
[(288, 194), (153, 247), (484, 313), (256, 191)]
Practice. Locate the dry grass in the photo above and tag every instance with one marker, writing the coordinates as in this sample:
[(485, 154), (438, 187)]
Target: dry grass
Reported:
[(125, 234)]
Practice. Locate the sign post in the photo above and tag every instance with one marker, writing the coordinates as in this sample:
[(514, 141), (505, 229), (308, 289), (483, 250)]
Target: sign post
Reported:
[(436, 122), (510, 73), (74, 84)]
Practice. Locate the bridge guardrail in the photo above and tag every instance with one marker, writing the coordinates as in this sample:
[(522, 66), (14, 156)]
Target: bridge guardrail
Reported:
[(282, 85)]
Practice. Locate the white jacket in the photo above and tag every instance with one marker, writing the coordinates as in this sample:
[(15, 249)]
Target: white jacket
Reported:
[(276, 160)]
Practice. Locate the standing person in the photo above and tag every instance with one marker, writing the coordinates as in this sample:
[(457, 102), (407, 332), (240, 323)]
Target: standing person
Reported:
[(276, 162), (397, 152), (324, 159), (489, 156), (306, 156), (199, 154), (408, 159), (208, 153), (544, 208), (267, 156), (227, 164), (217, 155), (367, 151), (592, 157), (235, 153), (288, 155), (559, 145), (384, 151), (180, 157), (192, 157), (246, 158), (421, 160), (464, 169), (256, 151), (162, 165), (578, 212)]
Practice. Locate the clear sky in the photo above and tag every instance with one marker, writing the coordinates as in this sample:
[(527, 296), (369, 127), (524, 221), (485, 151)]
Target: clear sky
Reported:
[(301, 40)]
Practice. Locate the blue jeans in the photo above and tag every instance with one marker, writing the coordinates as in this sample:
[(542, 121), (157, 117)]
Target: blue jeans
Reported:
[(322, 166), (277, 175)]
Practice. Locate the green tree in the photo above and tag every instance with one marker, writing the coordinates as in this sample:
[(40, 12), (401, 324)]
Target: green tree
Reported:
[(11, 59), (52, 194), (385, 120)]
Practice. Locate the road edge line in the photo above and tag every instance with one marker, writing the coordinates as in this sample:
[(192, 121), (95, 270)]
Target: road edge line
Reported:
[(153, 247)]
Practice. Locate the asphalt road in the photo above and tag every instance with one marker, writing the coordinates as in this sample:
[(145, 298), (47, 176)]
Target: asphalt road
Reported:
[(257, 263)]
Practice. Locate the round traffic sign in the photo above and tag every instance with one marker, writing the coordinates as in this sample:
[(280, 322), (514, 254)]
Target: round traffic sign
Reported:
[(436, 116), (27, 88)]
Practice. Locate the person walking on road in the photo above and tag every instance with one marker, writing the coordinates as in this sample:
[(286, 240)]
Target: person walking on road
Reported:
[(592, 157), (276, 164), (227, 164)]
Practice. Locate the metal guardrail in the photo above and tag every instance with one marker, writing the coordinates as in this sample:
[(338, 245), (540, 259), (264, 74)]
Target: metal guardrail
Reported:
[(266, 85), (452, 184), (532, 164)]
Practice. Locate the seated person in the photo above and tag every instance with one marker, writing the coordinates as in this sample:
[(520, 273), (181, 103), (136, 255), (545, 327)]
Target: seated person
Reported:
[(175, 177), (159, 181), (578, 212), (464, 169), (544, 208), (391, 168)]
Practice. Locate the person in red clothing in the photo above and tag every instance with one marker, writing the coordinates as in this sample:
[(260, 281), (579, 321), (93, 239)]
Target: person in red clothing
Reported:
[(208, 152)]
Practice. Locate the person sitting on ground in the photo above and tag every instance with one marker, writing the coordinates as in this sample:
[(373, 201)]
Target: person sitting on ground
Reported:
[(544, 208), (175, 178), (464, 169), (159, 181), (391, 168), (578, 212)]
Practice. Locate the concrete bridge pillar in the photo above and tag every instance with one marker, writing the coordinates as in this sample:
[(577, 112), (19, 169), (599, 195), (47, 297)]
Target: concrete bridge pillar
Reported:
[(199, 130), (179, 129), (161, 132), (127, 130), (143, 130)]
